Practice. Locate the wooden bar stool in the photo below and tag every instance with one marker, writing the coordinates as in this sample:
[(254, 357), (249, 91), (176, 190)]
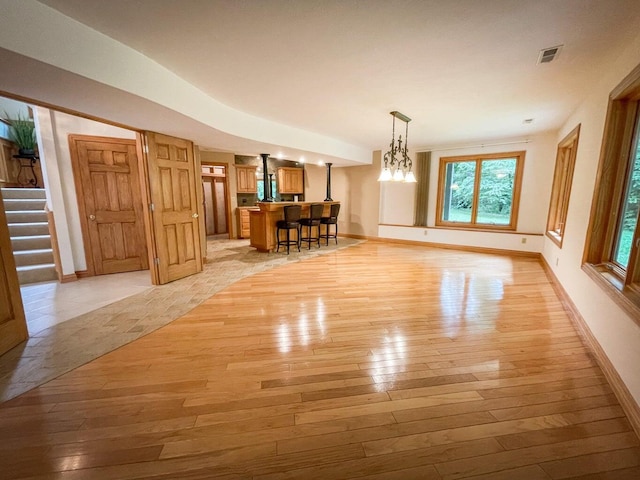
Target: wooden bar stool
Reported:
[(290, 222), (315, 214), (332, 219)]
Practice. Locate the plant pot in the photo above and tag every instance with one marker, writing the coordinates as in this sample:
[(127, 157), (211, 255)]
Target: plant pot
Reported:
[(26, 152)]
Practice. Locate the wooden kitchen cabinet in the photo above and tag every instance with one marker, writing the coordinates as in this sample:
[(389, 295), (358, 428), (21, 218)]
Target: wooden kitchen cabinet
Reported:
[(290, 180), (246, 179), (244, 229)]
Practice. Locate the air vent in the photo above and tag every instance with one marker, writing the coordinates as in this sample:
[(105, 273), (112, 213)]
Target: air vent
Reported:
[(549, 54)]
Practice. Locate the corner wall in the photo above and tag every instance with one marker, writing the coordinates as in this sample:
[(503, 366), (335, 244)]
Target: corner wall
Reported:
[(362, 207)]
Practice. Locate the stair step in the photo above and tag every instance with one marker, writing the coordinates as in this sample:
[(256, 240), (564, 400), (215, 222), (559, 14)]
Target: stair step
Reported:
[(12, 204), (37, 273), (23, 193), (30, 242), (28, 229), (26, 216), (33, 257)]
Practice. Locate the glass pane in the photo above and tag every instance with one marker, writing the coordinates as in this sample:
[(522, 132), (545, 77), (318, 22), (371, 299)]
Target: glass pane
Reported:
[(260, 189), (496, 191), (629, 218), (458, 191)]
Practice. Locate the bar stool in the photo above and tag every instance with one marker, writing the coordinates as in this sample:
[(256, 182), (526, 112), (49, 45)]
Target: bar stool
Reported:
[(332, 219), (315, 214), (290, 222)]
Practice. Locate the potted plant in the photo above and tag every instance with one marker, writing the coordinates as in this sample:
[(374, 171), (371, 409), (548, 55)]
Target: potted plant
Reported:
[(22, 133)]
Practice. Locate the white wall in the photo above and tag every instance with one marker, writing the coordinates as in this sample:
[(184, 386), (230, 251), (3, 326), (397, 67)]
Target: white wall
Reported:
[(54, 129), (362, 206), (615, 331), (315, 182)]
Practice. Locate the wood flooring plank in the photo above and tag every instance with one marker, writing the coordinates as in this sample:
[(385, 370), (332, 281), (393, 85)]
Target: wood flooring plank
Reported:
[(530, 472), (618, 474), (563, 433), (529, 456), (424, 472), (461, 434), (389, 406), (362, 432), (388, 463), (592, 463)]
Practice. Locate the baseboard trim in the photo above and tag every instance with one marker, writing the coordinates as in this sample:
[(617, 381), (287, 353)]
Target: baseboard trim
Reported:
[(83, 273), (446, 246), (628, 403), (71, 277)]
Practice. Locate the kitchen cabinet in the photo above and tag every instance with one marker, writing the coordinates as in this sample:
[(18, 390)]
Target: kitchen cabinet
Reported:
[(246, 179), (244, 230), (290, 180)]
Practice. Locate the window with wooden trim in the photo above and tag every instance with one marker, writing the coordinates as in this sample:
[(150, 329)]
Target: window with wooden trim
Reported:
[(480, 191), (611, 250), (561, 190)]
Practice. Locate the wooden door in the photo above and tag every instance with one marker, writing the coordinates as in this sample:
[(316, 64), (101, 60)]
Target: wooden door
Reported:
[(110, 203), (215, 205), (13, 325), (175, 228)]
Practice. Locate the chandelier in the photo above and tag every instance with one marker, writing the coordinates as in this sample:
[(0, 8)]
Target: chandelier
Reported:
[(396, 158)]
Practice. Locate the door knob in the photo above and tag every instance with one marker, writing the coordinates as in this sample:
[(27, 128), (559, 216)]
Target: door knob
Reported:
[(92, 217), (195, 215)]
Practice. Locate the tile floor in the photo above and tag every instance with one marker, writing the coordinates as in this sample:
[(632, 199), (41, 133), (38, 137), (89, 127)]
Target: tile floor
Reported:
[(50, 303)]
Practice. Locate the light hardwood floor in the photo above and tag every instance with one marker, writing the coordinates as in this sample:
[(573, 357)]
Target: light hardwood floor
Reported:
[(378, 361)]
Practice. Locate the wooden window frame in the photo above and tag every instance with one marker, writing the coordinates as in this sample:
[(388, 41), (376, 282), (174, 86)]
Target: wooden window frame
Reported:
[(561, 190), (620, 132), (479, 158)]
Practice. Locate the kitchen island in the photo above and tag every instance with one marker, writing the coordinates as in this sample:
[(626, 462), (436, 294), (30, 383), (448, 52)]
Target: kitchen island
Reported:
[(263, 222)]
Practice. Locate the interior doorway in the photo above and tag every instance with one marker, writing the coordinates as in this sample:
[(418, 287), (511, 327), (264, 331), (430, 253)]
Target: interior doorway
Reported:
[(216, 201)]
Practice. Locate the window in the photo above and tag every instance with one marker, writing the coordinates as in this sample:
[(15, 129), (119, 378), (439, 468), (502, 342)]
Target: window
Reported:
[(611, 250), (260, 184), (565, 162), (480, 191)]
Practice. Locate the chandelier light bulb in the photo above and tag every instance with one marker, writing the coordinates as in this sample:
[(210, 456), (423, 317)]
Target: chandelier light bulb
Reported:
[(385, 175), (410, 177)]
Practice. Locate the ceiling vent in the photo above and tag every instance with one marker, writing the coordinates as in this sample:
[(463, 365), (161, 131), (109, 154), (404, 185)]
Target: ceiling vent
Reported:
[(549, 54)]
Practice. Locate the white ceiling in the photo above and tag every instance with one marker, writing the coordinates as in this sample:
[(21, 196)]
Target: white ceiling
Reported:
[(463, 70)]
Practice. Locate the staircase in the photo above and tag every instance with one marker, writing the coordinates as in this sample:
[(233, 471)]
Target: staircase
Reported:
[(29, 231)]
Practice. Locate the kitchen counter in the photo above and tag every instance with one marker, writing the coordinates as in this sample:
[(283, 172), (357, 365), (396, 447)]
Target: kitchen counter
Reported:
[(263, 222)]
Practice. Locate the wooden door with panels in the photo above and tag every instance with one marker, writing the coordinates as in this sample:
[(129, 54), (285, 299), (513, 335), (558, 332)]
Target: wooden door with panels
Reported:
[(174, 227), (109, 192), (13, 325), (216, 199)]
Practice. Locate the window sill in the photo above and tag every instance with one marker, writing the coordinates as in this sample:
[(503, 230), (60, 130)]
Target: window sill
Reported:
[(555, 238), (483, 228), (624, 297)]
